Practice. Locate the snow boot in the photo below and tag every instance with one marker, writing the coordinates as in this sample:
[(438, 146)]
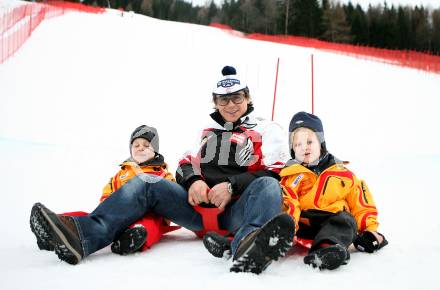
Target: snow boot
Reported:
[(259, 248), (329, 257), (62, 231), (219, 246), (130, 241), (44, 240)]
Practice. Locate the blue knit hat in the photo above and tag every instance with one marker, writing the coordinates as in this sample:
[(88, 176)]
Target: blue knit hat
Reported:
[(310, 121), (230, 83)]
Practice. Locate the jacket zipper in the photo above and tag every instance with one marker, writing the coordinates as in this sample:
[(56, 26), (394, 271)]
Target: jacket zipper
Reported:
[(325, 185), (328, 178)]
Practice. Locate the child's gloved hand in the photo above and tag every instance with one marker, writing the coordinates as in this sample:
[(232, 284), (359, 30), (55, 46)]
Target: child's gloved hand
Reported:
[(370, 242)]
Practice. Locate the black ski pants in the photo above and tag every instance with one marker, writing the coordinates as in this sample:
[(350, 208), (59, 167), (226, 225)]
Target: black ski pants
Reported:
[(327, 227)]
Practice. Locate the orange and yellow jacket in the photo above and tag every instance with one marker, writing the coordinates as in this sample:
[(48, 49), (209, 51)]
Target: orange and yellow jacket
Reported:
[(335, 189), (130, 169)]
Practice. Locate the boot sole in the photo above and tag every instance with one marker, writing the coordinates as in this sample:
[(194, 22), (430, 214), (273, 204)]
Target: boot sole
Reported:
[(327, 258), (130, 241), (64, 250), (217, 245), (272, 242), (44, 239)]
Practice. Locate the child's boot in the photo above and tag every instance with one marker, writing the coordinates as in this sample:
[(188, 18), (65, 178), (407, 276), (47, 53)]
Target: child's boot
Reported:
[(219, 246), (130, 241), (328, 257)]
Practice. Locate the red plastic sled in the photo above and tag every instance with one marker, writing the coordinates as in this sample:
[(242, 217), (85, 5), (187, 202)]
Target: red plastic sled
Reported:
[(210, 223), (209, 219), (154, 225), (306, 243)]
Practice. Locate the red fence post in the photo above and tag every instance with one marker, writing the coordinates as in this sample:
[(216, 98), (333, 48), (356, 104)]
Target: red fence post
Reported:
[(275, 91), (30, 20), (3, 24), (313, 86)]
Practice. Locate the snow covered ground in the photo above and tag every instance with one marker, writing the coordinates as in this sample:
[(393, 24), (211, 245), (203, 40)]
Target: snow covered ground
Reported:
[(73, 93)]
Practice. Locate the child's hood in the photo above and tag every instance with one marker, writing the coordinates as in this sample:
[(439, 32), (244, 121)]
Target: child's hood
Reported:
[(157, 160), (293, 166)]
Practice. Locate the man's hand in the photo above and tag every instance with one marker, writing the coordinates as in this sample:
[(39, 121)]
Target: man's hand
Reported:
[(219, 195), (198, 193)]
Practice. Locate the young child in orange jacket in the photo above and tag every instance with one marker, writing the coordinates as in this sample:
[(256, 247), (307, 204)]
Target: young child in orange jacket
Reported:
[(145, 158), (330, 204)]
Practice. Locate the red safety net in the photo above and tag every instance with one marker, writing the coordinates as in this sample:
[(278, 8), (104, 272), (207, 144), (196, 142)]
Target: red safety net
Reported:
[(405, 58), (18, 23)]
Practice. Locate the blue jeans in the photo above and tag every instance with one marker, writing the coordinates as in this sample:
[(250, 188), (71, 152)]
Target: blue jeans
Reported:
[(260, 202)]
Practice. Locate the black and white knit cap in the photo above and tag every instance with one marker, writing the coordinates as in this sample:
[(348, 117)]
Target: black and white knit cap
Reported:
[(230, 83), (148, 133)]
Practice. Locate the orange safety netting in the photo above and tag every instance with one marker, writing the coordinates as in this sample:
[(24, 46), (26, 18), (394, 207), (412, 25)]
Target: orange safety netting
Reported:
[(18, 23), (405, 58)]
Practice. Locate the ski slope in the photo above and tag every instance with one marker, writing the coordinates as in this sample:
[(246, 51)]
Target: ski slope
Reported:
[(71, 96)]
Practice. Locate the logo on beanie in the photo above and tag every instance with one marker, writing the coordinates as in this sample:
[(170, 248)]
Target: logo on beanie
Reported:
[(299, 122), (227, 83)]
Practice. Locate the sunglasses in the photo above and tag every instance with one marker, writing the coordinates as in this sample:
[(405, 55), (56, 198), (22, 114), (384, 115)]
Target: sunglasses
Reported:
[(237, 99)]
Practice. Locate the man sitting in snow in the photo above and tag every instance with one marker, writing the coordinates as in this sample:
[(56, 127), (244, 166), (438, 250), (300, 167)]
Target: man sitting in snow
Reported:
[(234, 167)]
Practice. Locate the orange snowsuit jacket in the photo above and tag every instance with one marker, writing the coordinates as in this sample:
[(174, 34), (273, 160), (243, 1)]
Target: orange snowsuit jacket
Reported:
[(335, 189), (130, 169)]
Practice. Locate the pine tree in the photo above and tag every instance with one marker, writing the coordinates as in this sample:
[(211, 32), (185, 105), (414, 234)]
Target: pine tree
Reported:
[(359, 26), (436, 31), (375, 37), (389, 27), (284, 12), (305, 18), (252, 17), (403, 28), (208, 14), (349, 12), (420, 28), (337, 28), (230, 14), (270, 12)]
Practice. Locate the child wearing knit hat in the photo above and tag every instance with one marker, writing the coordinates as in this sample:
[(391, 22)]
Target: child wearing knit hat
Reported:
[(144, 158), (331, 205)]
